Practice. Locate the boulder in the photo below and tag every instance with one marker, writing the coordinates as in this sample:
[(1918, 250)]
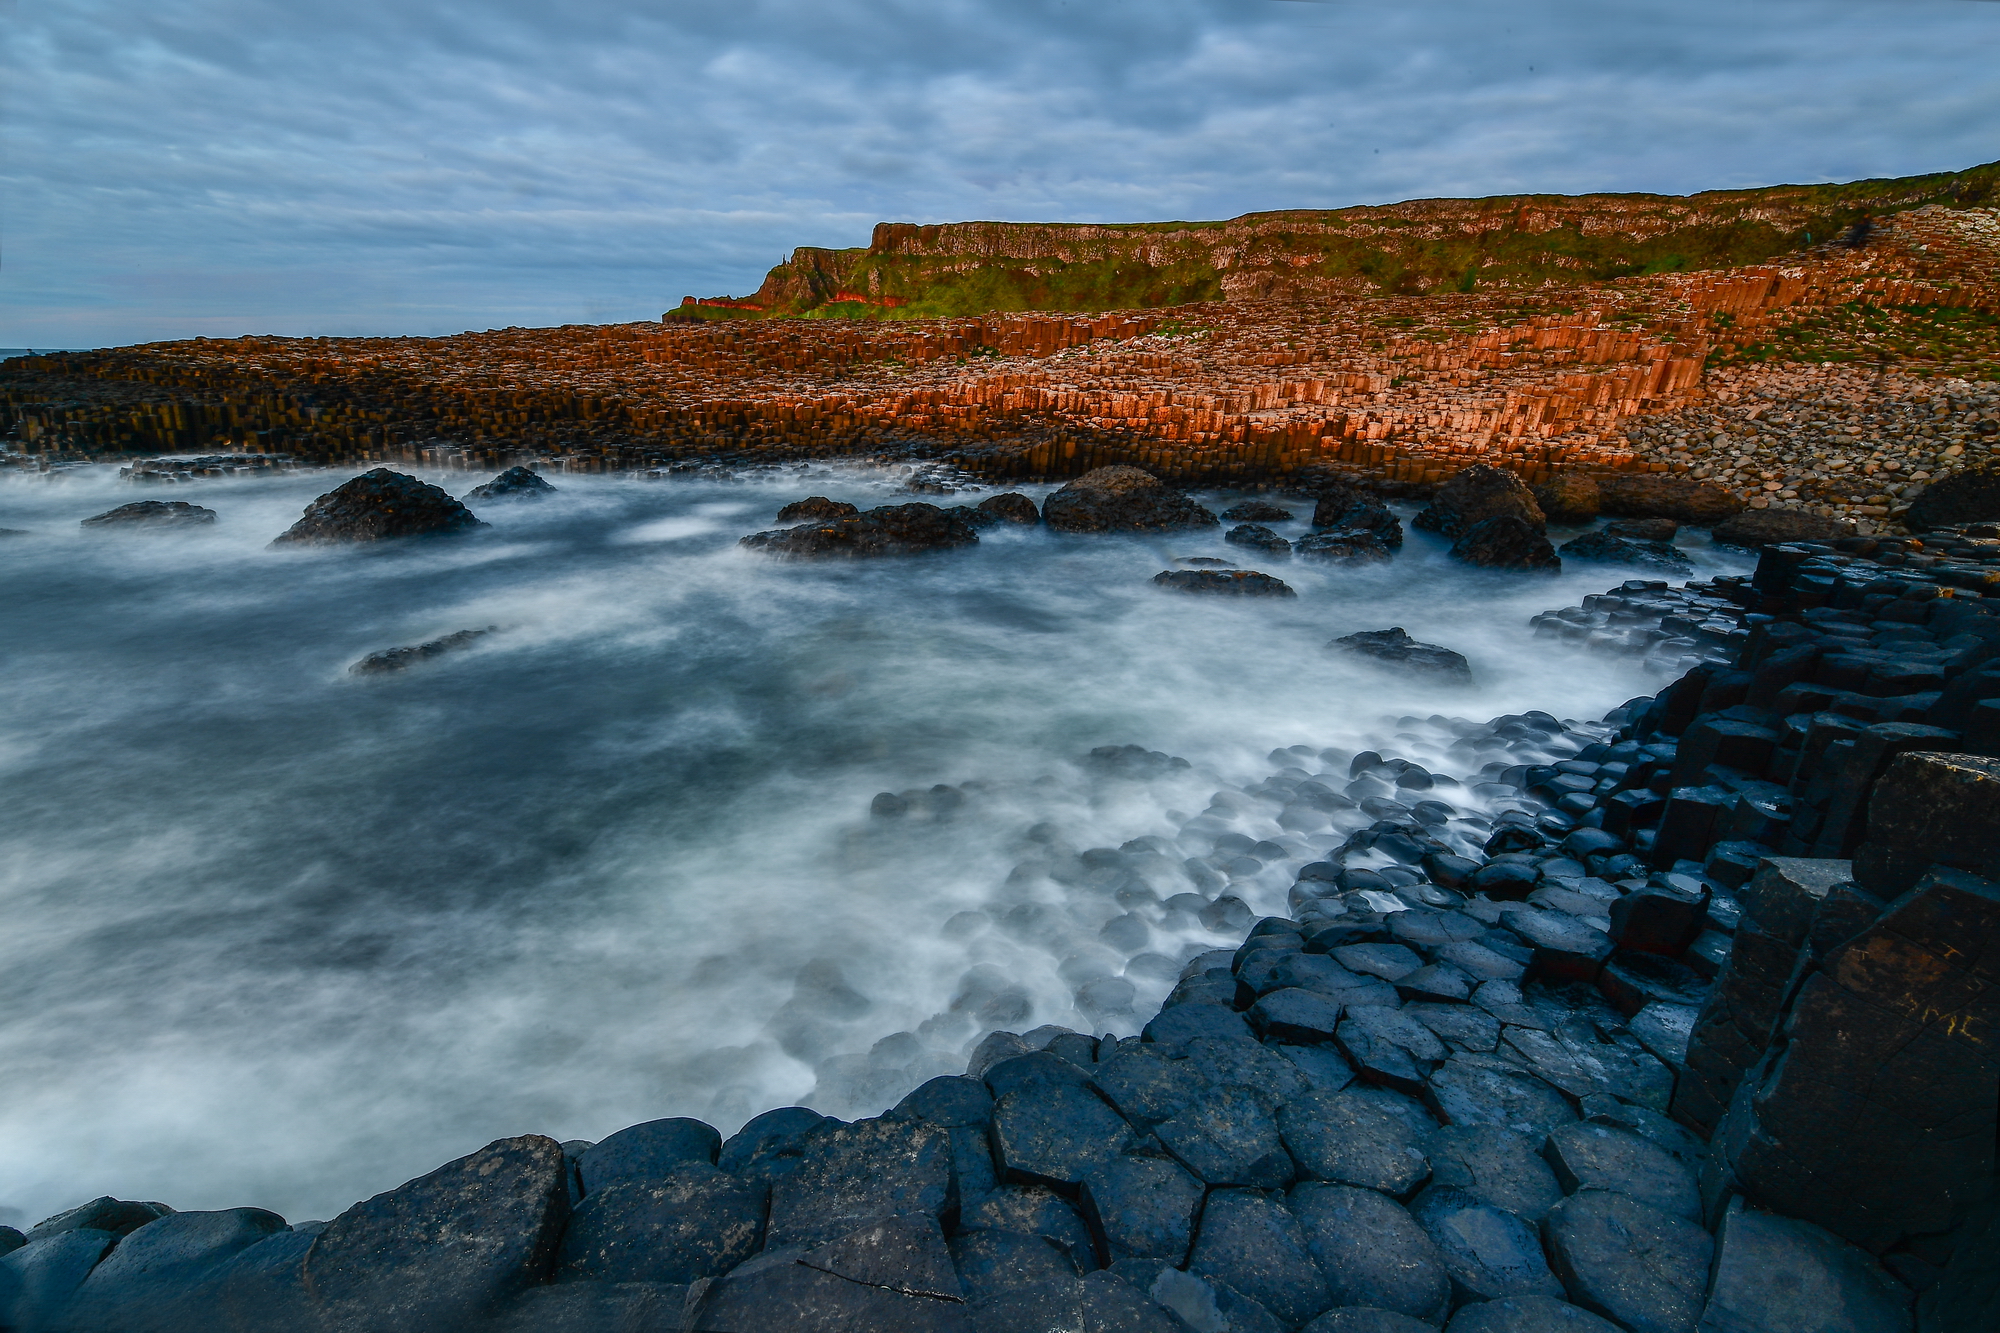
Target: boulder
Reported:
[(1256, 511), (1495, 1165), (1122, 499), (953, 1101), (1011, 507), (1147, 1084), (1346, 544), (1658, 495), (1569, 498), (1033, 1210), (1970, 495), (1527, 1314), (118, 1216), (1488, 1252), (1930, 808), (815, 507), (992, 1262), (153, 515), (888, 1273), (446, 1247), (647, 1152), (1395, 648), (1372, 1251), (516, 483), (676, 1224), (1638, 1267), (772, 1144), (1291, 1014), (1347, 1139), (1054, 1134), (592, 1307), (391, 660), (1229, 1136), (849, 1175), (1475, 494), (1506, 542), (1366, 1319), (378, 506), (1143, 1207), (1594, 1156), (1389, 1048), (38, 1282), (1484, 1090), (1603, 548), (139, 1284), (1773, 527), (1227, 582), (905, 529), (1644, 529), (1250, 1242), (1359, 514), (1259, 538), (1780, 1275)]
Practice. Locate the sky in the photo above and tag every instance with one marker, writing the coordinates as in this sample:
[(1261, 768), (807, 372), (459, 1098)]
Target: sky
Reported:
[(217, 167)]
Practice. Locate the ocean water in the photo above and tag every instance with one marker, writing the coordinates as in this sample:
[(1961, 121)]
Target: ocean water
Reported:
[(282, 936)]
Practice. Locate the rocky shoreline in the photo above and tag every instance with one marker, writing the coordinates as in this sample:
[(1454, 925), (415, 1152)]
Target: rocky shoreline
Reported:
[(1675, 1020)]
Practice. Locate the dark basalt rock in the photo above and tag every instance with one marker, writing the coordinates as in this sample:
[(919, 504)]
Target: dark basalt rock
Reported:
[(1347, 1139), (592, 1307), (905, 529), (1343, 544), (1227, 582), (1482, 1090), (516, 483), (445, 1248), (1357, 513), (772, 1144), (1122, 499), (1229, 1136), (1658, 495), (850, 1174), (1475, 495), (1506, 542), (1011, 507), (648, 1151), (1777, 1273), (1643, 529), (1395, 648), (1569, 498), (391, 660), (1258, 538), (1604, 548), (815, 506), (993, 1262), (1093, 1303), (39, 1281), (1495, 1165), (118, 1216), (1773, 527), (1054, 1135), (1592, 1156), (148, 1281), (1372, 1251), (1250, 1242), (1033, 1210), (1364, 1319), (153, 514), (1527, 1314), (888, 1273), (1637, 1266), (1488, 1252), (377, 506), (1970, 495), (672, 1224), (974, 518), (1256, 511), (1144, 1207)]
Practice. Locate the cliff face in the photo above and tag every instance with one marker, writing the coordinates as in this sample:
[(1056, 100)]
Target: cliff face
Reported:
[(1420, 247)]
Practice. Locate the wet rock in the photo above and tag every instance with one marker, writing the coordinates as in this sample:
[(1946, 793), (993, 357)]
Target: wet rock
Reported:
[(1144, 1207), (1247, 1065), (1256, 511), (1506, 543), (772, 1144), (1011, 507), (1174, 1028), (850, 1174), (592, 1307), (1637, 1266), (1227, 582), (905, 529), (1359, 514), (1463, 1027), (815, 507), (1488, 1252), (1344, 544), (1495, 1165), (11, 1240), (1054, 1135), (1593, 1156), (1565, 948), (1349, 1140), (1229, 1136), (675, 1223), (1604, 548), (1251, 1242), (1643, 529), (1780, 1275), (1772, 527), (1122, 499), (1389, 1048), (153, 515), (391, 660), (1970, 495), (378, 506), (1372, 1251), (1658, 495), (1147, 1084), (648, 1151), (1036, 1069), (1568, 498), (952, 1101), (1395, 648), (516, 483), (118, 1216), (149, 1276), (1658, 919), (1258, 538), (446, 1247), (1478, 493), (1363, 1319), (1482, 1090), (1094, 1303), (1527, 1314), (1033, 1210), (888, 1273), (1301, 1017), (991, 1262), (38, 1282)]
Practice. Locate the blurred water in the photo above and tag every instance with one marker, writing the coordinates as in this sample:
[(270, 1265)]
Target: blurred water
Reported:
[(276, 935)]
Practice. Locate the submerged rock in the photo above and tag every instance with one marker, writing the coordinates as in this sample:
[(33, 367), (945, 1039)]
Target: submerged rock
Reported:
[(379, 505), (1346, 544), (1256, 511), (400, 659), (1259, 538), (815, 506), (153, 514), (1231, 582), (515, 483), (1476, 494), (1358, 513), (1607, 549), (1570, 498), (905, 529), (1506, 542), (1122, 499), (1769, 527), (1011, 506), (1394, 647)]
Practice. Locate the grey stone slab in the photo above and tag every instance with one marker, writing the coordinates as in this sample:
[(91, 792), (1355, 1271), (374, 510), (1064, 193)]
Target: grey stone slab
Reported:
[(1780, 1275), (1487, 1251), (1250, 1241), (1637, 1266), (1343, 1138), (1495, 1165), (1372, 1251), (1586, 1155)]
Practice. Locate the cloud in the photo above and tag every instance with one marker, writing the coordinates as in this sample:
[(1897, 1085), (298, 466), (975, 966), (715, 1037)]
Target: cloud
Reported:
[(226, 166)]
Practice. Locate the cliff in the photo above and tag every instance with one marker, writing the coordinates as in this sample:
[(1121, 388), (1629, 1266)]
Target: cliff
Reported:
[(1420, 247)]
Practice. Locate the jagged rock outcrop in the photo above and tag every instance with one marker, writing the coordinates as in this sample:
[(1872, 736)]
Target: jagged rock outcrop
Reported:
[(1506, 542), (515, 483), (1478, 493), (906, 529), (1356, 512), (378, 506), (1607, 549), (815, 506), (1395, 648), (391, 660), (154, 515), (1228, 582), (1122, 499)]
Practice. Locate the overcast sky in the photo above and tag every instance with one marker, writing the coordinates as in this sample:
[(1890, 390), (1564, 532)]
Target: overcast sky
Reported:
[(177, 167)]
